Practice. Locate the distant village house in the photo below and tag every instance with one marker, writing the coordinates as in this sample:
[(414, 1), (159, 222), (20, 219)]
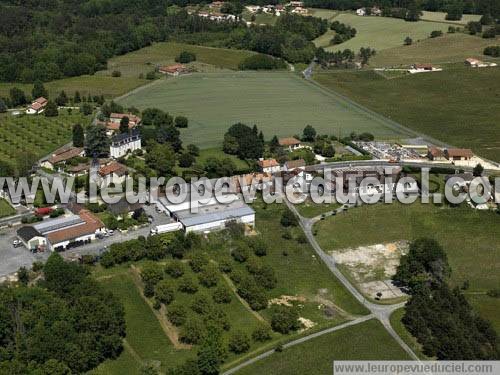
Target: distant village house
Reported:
[(38, 106)]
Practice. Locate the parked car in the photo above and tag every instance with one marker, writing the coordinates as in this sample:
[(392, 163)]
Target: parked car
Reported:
[(17, 243)]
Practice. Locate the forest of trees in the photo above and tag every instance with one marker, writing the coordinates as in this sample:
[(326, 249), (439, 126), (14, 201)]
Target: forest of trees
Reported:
[(438, 316), (64, 324)]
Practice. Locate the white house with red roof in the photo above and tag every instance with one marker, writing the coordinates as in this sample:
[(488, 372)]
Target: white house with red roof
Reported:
[(38, 106)]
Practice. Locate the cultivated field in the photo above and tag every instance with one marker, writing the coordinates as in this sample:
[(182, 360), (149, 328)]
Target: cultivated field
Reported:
[(365, 341), (457, 106), (450, 48), (39, 135), (383, 32), (440, 17), (278, 103)]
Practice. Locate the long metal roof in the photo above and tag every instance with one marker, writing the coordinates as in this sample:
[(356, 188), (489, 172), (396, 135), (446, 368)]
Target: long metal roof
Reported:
[(59, 223), (214, 213)]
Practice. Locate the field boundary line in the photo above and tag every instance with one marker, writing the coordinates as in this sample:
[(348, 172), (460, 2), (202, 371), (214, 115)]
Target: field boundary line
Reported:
[(243, 302), (169, 330)]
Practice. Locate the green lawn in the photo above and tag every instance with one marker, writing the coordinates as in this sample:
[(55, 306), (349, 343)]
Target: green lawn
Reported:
[(217, 153), (260, 19), (450, 48), (278, 103), (146, 59), (5, 208), (487, 307), (365, 341), (310, 209), (457, 106), (383, 32), (38, 134), (145, 336), (440, 17), (401, 330)]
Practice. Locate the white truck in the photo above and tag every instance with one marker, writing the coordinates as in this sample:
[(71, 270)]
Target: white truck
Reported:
[(165, 228)]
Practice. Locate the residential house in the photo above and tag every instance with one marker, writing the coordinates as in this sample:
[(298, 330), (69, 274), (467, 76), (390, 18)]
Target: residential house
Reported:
[(376, 11), (123, 208), (436, 154), (269, 165), (113, 125), (121, 144), (113, 173), (300, 10), (290, 143), (475, 63), (296, 4), (294, 164), (458, 154), (423, 68), (38, 106), (216, 4), (252, 8), (361, 12), (61, 156), (173, 70), (83, 168)]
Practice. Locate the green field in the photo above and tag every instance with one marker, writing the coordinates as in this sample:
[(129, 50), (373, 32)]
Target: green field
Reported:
[(278, 103), (383, 32), (365, 341), (134, 63), (37, 134), (450, 48), (440, 17), (5, 208), (145, 340), (457, 106), (260, 18), (146, 59), (310, 209), (487, 307)]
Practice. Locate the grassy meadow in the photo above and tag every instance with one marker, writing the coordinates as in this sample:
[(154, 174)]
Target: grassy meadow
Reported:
[(383, 32), (457, 106), (278, 103), (5, 208), (441, 17), (450, 48), (364, 341)]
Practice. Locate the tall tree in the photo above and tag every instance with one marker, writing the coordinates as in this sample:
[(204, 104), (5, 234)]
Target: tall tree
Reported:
[(124, 124), (309, 134), (17, 97), (39, 90), (78, 135), (62, 99), (161, 157), (96, 141), (51, 109)]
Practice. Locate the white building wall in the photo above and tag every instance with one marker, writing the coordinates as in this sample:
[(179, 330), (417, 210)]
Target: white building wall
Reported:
[(119, 151), (220, 224)]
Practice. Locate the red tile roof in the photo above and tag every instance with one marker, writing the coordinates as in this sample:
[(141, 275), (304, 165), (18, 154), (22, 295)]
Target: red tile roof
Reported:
[(459, 152), (290, 141), (436, 152), (65, 154), (268, 163), (131, 117), (116, 168), (172, 68), (292, 164), (91, 225), (38, 104)]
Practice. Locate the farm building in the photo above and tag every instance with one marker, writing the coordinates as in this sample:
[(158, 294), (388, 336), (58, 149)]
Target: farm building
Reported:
[(122, 144), (458, 154), (62, 233), (423, 68), (269, 165), (290, 143), (173, 70), (300, 10), (361, 12), (475, 63), (294, 164), (38, 106), (436, 154), (61, 156)]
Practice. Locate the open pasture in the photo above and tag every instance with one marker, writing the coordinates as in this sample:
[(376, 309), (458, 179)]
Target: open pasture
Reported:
[(383, 32), (278, 103)]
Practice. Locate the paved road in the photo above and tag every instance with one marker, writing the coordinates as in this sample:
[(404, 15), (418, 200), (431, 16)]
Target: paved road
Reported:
[(381, 312), (298, 341)]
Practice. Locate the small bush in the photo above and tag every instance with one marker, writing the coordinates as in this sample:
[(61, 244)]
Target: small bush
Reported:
[(175, 269), (240, 254), (185, 57), (176, 313), (116, 73), (261, 334), (187, 285), (436, 33), (239, 342), (222, 295)]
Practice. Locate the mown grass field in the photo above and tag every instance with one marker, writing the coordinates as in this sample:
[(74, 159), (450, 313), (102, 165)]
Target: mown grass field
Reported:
[(5, 208), (365, 341), (467, 235), (383, 32), (487, 307), (310, 209), (36, 134), (450, 48), (146, 59), (457, 106), (278, 103), (440, 17)]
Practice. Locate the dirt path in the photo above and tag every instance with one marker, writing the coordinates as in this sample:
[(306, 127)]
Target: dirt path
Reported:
[(243, 302), (131, 350), (170, 330)]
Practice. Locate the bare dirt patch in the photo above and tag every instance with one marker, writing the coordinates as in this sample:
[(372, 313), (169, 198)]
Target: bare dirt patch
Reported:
[(286, 300), (306, 324)]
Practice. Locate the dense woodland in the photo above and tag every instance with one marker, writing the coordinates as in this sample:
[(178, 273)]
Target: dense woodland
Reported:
[(63, 324), (52, 39), (438, 316)]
